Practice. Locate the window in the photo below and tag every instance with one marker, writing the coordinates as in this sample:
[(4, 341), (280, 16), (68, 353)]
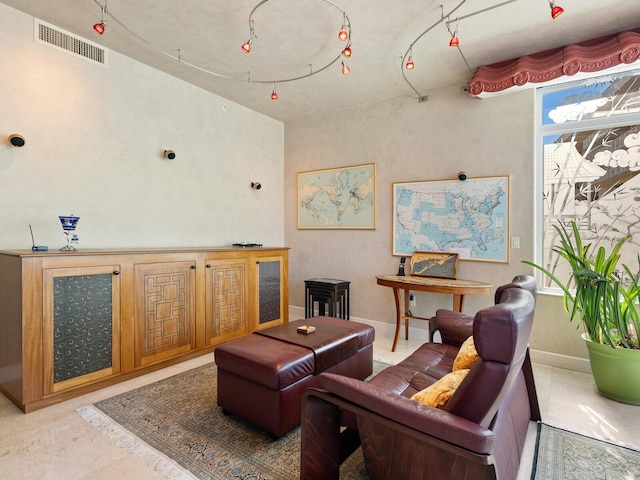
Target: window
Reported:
[(589, 143)]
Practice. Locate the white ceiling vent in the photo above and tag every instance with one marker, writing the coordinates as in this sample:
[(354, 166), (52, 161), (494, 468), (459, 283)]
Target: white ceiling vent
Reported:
[(68, 42)]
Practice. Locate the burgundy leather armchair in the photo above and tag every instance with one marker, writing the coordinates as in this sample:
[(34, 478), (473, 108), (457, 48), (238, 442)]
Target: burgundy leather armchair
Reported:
[(479, 434)]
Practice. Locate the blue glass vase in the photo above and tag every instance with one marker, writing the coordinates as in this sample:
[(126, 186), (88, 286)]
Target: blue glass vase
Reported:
[(69, 223)]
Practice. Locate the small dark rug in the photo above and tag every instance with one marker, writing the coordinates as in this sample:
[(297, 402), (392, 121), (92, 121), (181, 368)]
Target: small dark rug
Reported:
[(179, 418), (564, 455)]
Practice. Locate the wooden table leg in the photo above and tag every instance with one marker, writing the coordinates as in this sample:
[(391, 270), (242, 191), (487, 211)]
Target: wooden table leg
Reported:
[(407, 313), (396, 296), (458, 302)]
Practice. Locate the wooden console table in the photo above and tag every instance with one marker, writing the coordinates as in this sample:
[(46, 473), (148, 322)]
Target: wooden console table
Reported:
[(458, 288)]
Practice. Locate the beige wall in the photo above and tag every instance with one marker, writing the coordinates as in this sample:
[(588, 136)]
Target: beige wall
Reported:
[(95, 138), (94, 148), (409, 141)]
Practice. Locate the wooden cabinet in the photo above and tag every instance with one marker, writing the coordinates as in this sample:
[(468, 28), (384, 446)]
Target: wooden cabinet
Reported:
[(72, 322)]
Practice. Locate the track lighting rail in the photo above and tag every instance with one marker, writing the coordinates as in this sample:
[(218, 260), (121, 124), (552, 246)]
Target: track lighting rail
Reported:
[(246, 47), (446, 20), (409, 64)]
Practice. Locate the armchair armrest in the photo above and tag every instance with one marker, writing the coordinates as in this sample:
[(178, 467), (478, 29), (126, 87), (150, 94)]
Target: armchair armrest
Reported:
[(430, 421), (454, 327)]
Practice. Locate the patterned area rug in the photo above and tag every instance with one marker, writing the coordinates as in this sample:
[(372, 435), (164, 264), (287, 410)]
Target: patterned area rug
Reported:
[(177, 426), (563, 455), (190, 437)]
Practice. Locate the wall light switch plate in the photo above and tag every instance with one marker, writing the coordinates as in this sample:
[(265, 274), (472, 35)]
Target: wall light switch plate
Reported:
[(515, 242)]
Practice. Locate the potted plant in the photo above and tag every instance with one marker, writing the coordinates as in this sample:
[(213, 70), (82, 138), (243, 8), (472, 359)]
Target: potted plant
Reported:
[(605, 301)]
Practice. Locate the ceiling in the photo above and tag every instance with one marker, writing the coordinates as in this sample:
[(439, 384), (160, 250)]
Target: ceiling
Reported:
[(199, 42)]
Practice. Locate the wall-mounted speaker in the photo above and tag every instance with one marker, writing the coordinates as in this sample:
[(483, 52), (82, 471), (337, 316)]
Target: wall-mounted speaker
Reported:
[(17, 140)]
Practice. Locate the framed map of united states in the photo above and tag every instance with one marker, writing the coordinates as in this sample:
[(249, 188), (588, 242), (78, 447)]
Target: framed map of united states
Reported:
[(470, 218)]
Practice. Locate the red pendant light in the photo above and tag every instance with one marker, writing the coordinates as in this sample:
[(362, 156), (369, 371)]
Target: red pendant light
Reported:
[(455, 41), (246, 46), (410, 65), (556, 10), (99, 27), (345, 69), (346, 53)]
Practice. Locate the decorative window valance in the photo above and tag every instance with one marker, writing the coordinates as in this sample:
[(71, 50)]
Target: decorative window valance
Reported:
[(622, 49)]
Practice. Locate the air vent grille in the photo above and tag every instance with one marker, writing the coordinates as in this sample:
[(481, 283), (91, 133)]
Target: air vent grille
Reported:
[(58, 38)]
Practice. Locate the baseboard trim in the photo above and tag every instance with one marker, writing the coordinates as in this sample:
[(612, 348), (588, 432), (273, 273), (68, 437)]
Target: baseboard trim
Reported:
[(537, 356), (296, 313), (561, 361)]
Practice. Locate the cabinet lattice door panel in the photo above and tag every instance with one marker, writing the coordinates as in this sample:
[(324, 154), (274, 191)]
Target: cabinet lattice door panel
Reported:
[(165, 311), (81, 326), (226, 300)]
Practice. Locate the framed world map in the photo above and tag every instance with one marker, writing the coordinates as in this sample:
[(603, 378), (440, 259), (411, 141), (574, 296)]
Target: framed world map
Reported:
[(470, 218), (334, 198)]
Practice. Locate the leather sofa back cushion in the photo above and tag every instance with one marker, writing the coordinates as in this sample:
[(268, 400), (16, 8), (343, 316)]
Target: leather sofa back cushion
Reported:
[(438, 394), (501, 332), (528, 282), (467, 355)]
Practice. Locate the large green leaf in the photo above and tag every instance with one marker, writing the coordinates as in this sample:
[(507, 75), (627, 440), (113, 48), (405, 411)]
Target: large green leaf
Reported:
[(594, 294)]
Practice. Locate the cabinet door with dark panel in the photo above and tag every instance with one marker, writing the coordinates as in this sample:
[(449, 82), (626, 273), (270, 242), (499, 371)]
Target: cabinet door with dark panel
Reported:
[(81, 326), (270, 291), (164, 296)]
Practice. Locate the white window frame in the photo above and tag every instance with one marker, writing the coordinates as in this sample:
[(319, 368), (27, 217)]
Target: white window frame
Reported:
[(543, 130)]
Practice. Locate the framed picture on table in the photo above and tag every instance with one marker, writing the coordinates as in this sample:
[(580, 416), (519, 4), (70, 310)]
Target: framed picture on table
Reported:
[(434, 264)]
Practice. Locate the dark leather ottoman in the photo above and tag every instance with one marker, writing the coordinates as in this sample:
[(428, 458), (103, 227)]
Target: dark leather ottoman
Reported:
[(261, 377)]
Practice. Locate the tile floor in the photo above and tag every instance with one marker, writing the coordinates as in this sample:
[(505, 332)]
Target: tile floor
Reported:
[(55, 443)]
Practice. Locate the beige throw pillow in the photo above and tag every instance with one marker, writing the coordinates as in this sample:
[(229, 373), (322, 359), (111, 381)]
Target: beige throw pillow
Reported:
[(467, 355), (438, 394)]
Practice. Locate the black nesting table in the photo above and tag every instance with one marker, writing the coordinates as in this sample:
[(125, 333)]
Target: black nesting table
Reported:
[(330, 294)]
